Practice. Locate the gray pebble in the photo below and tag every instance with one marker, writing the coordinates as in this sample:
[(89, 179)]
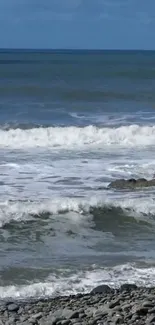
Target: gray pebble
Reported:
[(32, 321), (37, 316), (152, 310), (74, 314), (11, 321), (150, 319), (90, 311), (82, 315), (48, 321), (24, 318), (64, 322), (1, 322), (139, 310), (148, 304), (12, 307), (117, 319), (114, 303)]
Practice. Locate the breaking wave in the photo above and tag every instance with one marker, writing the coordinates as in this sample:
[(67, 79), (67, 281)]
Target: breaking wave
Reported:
[(81, 282), (23, 211), (77, 137)]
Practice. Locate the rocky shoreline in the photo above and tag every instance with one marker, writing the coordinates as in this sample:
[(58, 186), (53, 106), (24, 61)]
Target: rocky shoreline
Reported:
[(126, 305), (132, 183)]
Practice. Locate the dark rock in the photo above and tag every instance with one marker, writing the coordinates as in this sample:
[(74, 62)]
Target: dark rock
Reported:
[(117, 319), (140, 310), (148, 304), (74, 314), (131, 183), (126, 307), (128, 287), (132, 180), (134, 319), (81, 310), (150, 319), (65, 322), (103, 300), (102, 289), (152, 310), (114, 303), (82, 315), (12, 307)]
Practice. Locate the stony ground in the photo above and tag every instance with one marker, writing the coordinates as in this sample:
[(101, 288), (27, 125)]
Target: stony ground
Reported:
[(103, 306)]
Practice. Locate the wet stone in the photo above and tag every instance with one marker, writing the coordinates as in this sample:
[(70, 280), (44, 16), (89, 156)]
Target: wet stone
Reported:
[(150, 319), (37, 316), (64, 322), (101, 289), (128, 287), (12, 307), (148, 304), (114, 303), (139, 310), (32, 321)]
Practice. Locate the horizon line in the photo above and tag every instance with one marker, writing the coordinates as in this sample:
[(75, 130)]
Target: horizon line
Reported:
[(71, 49)]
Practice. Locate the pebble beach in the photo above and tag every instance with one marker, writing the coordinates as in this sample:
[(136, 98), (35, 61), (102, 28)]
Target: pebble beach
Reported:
[(104, 305)]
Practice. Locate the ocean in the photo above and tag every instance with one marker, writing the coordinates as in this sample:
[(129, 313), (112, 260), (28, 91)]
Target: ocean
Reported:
[(70, 123)]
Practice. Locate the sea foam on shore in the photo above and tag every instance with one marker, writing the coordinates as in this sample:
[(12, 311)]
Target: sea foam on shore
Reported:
[(126, 305)]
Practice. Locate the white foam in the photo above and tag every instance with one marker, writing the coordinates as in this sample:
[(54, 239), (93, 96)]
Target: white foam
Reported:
[(24, 211), (81, 282), (70, 137)]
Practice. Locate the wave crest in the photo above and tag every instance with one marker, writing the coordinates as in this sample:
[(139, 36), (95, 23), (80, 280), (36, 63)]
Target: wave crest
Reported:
[(78, 137), (83, 209)]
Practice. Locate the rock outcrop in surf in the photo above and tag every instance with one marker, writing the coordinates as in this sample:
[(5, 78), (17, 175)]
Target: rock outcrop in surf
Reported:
[(132, 183)]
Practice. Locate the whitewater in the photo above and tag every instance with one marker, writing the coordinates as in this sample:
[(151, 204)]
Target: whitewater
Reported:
[(77, 210), (77, 137)]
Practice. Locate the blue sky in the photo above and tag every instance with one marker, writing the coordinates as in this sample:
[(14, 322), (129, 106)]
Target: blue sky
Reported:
[(95, 24)]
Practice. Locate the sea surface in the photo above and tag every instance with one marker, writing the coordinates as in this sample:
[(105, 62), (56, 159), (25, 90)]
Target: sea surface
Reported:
[(70, 123)]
